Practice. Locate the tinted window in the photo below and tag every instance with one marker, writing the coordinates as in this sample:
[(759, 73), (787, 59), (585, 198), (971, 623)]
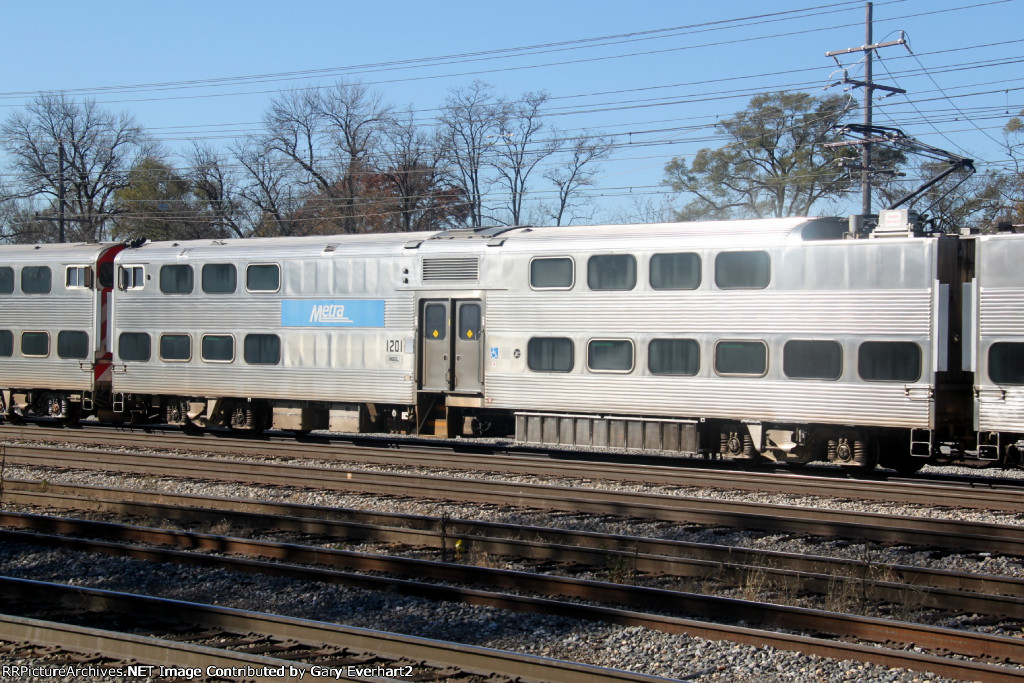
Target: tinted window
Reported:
[(219, 278), (470, 323), (218, 347), (1006, 363), (804, 359), (435, 321), (889, 361), (6, 280), (611, 271), (35, 279), (549, 354), (673, 357), (175, 347), (72, 344), (743, 270), (176, 279), (551, 273), (675, 271), (610, 354), (741, 358), (35, 344), (6, 343), (264, 277), (262, 349), (134, 346)]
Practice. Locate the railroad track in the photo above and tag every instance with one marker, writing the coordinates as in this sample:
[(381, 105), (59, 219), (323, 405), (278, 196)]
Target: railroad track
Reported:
[(898, 585), (673, 612), (913, 531), (203, 641), (990, 494)]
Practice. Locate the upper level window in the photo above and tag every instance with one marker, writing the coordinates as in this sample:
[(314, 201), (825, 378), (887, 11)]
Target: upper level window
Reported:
[(176, 279), (743, 270), (807, 359), (132, 277), (262, 349), (549, 354), (6, 343), (218, 348), (615, 355), (36, 344), (263, 277), (134, 346), (6, 280), (675, 271), (551, 273), (611, 272), (741, 358), (35, 279), (885, 361), (77, 277), (72, 344), (219, 278), (1006, 363), (673, 357)]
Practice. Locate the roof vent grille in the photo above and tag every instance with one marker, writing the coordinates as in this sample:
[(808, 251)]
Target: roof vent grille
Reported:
[(455, 268)]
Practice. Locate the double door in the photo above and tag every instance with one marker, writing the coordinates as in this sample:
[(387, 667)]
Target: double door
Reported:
[(451, 345)]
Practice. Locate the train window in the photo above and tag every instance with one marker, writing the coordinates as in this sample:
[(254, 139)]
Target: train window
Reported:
[(6, 343), (133, 346), (35, 344), (35, 279), (132, 277), (435, 321), (78, 277), (611, 272), (470, 324), (175, 347), (807, 359), (262, 349), (552, 273), (219, 278), (741, 358), (176, 279), (1006, 363), (549, 354), (72, 344), (889, 361), (743, 270), (612, 355), (105, 274), (263, 277), (673, 357), (6, 280), (675, 271), (218, 348)]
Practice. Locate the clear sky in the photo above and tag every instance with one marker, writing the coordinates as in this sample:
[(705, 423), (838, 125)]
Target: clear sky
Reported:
[(655, 73)]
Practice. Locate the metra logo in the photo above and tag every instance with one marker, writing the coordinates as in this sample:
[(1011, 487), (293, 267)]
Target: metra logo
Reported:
[(328, 313), (332, 312)]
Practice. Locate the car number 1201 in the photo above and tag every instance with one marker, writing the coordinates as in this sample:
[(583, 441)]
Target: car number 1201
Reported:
[(394, 346)]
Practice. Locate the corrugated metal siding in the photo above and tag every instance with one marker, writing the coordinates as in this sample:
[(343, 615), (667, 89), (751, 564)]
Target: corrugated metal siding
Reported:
[(1001, 312), (1006, 415)]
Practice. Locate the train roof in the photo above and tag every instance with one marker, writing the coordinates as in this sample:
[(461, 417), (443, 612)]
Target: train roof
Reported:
[(71, 252), (759, 232)]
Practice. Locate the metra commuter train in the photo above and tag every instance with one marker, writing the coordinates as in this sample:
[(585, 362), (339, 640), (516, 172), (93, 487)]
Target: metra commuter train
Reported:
[(780, 339)]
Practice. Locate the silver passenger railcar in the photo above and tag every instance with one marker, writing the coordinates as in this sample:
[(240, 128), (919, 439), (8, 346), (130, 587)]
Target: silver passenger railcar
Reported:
[(54, 317)]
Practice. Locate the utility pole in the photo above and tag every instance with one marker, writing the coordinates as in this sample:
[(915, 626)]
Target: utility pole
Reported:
[(869, 89)]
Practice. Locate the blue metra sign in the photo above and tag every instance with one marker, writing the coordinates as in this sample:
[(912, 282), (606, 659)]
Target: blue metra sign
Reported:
[(332, 313)]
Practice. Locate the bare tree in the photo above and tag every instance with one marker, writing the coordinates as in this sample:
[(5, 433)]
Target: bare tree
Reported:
[(520, 147), (575, 174), (470, 123), (268, 190), (216, 190), (59, 144)]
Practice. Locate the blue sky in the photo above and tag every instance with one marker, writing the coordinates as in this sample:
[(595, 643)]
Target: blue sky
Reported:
[(209, 69)]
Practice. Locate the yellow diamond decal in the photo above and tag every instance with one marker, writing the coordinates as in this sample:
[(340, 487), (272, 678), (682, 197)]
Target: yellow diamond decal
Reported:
[(435, 334), (469, 334)]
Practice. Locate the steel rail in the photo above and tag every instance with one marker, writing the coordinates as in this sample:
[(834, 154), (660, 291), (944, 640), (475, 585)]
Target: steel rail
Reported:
[(971, 495), (975, 645), (913, 531), (982, 594), (392, 646)]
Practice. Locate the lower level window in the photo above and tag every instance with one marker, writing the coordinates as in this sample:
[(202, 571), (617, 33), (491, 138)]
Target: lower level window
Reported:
[(262, 349), (6, 343), (615, 355), (72, 344), (673, 357), (36, 344), (134, 346), (741, 358), (218, 348), (889, 361), (1006, 363), (549, 354)]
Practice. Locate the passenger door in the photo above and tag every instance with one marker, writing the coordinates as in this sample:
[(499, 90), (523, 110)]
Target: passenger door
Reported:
[(451, 342)]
